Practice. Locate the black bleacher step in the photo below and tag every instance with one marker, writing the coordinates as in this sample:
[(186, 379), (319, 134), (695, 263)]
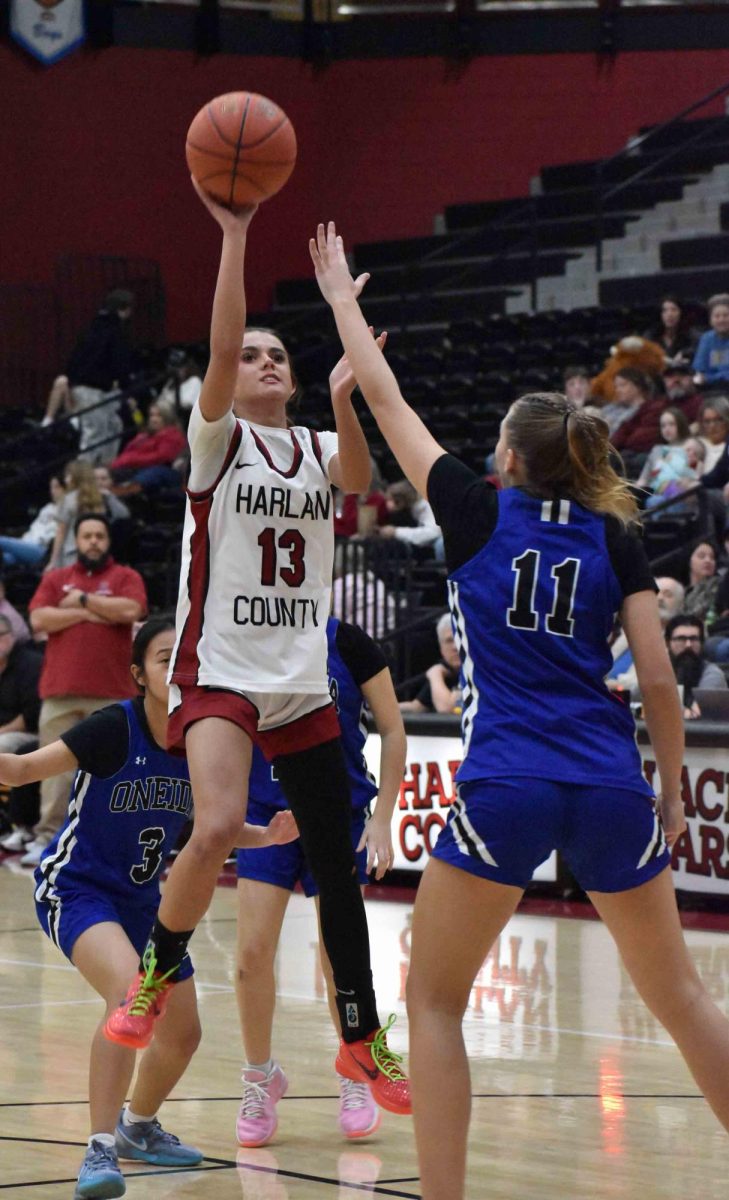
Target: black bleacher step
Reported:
[(584, 174), (695, 252), (690, 283), (391, 312), (712, 128), (557, 233), (724, 215), (578, 201)]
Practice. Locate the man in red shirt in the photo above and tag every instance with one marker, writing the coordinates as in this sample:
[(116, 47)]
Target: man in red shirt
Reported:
[(87, 610)]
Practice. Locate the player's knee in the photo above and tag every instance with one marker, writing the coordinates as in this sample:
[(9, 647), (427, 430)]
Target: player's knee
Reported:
[(256, 959), (215, 836), (427, 998)]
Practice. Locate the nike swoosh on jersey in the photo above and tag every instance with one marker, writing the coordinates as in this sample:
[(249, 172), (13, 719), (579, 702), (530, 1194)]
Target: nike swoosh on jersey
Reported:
[(239, 465)]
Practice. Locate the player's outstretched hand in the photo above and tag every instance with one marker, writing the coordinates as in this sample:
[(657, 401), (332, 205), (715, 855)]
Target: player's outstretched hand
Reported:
[(377, 840), (341, 380), (673, 817), (230, 220), (282, 828), (330, 265)]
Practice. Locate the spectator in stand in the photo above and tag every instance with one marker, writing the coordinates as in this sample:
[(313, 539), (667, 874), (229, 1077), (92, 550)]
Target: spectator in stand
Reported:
[(87, 610), (685, 641), (441, 691), (359, 515), (680, 389), (102, 360), (667, 471), (711, 361), (714, 430), (82, 496), (623, 675), (707, 592), (19, 707), (633, 417), (31, 547), (181, 389), (21, 632), (576, 385), (147, 462), (410, 518), (674, 333), (359, 596)]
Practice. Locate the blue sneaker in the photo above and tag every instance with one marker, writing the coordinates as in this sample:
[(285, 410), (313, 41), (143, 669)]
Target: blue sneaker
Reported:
[(148, 1142), (99, 1177)]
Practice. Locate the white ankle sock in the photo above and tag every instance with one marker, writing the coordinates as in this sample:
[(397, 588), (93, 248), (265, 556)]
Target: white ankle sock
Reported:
[(106, 1139), (132, 1118), (264, 1068)]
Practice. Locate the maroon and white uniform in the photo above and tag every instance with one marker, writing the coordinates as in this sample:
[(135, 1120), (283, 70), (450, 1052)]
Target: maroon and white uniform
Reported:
[(256, 574)]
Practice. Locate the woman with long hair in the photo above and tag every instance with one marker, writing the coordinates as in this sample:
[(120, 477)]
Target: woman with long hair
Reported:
[(537, 571), (250, 662), (82, 496)]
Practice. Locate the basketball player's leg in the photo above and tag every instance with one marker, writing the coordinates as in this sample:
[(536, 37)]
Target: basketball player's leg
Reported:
[(107, 960), (261, 910), (646, 927), (456, 920), (164, 1062), (219, 757)]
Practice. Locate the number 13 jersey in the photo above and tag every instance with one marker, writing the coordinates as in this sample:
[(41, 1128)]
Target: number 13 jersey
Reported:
[(257, 557)]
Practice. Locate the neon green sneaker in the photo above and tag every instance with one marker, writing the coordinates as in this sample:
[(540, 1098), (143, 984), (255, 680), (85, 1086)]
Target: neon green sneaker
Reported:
[(132, 1023), (371, 1061)]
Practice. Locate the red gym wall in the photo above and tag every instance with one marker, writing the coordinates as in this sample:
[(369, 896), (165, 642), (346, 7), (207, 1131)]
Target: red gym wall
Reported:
[(93, 160)]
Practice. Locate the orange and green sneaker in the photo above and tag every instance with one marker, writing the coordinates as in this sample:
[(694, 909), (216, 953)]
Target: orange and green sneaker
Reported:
[(371, 1061), (132, 1023)]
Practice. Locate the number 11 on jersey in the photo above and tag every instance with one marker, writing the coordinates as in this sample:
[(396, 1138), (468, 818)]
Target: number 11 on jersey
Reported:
[(523, 614)]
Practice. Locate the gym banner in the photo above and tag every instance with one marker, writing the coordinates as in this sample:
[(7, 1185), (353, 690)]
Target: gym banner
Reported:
[(48, 29), (426, 793)]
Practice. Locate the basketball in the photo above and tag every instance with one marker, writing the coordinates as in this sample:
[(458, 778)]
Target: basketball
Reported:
[(241, 148)]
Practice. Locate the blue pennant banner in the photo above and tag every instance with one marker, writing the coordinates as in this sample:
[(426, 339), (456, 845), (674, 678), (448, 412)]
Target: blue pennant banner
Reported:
[(48, 29)]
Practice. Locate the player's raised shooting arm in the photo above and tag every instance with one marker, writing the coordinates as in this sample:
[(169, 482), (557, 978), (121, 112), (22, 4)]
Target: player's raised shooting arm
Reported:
[(228, 320)]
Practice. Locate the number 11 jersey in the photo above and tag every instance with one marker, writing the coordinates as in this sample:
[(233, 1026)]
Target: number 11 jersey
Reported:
[(534, 586), (257, 557)]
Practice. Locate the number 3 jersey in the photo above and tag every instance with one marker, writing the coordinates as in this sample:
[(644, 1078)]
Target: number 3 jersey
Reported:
[(129, 802), (257, 556), (534, 588)]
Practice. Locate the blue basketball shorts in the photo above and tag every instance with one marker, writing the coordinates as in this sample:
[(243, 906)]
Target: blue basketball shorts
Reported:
[(502, 829), (66, 914), (285, 866)]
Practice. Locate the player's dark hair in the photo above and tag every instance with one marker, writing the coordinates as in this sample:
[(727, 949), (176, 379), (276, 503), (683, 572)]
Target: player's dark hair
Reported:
[(566, 452), (144, 636)]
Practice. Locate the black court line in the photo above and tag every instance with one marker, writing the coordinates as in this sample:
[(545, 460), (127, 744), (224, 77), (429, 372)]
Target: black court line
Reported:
[(169, 1100), (302, 1176), (30, 929)]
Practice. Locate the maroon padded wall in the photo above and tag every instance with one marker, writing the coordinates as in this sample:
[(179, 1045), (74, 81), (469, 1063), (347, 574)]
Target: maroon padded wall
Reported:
[(92, 149)]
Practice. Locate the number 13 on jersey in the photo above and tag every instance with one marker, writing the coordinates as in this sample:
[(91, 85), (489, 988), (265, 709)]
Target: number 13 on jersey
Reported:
[(523, 614)]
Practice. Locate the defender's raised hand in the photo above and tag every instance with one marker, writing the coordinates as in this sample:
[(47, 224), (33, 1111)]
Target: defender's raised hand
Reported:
[(330, 265)]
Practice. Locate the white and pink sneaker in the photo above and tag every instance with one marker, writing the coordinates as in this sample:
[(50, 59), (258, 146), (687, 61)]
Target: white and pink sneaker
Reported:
[(359, 1116), (257, 1120)]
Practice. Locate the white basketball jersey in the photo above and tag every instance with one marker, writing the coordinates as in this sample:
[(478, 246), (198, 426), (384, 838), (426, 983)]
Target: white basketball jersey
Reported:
[(257, 556)]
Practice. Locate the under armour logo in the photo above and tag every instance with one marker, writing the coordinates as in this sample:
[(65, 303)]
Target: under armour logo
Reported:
[(139, 760)]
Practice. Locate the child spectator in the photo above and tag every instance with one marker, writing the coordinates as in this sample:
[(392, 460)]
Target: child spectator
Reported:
[(711, 361)]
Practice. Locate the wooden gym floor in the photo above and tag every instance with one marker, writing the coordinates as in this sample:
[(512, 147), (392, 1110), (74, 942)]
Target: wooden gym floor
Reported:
[(577, 1091)]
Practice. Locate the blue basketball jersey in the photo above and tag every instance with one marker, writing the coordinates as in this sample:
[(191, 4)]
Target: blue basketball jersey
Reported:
[(532, 612), (119, 830), (263, 786)]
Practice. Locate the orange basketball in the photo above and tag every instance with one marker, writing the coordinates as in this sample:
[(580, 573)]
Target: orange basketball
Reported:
[(241, 148)]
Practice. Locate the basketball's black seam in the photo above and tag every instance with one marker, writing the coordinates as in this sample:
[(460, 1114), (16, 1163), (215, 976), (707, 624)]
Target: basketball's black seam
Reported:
[(269, 133), (211, 115), (238, 150)]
